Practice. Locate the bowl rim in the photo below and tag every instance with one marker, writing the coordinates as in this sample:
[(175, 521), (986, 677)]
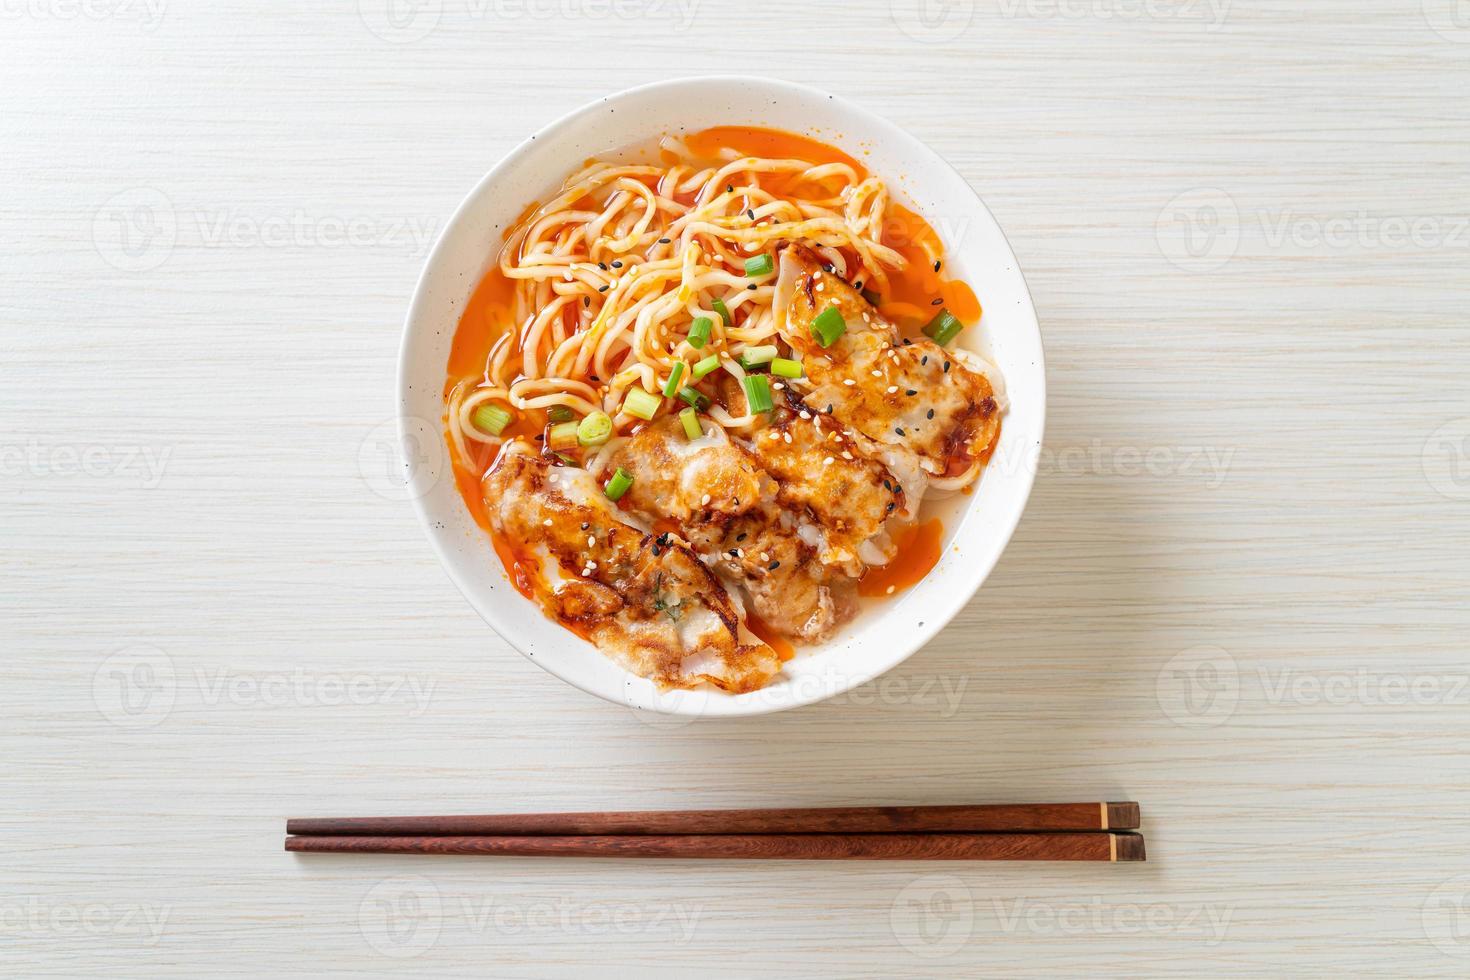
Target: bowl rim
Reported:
[(719, 705)]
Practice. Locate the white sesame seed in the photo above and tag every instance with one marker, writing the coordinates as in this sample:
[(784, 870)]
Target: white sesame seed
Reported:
[(787, 435), (805, 414), (849, 382), (892, 389), (591, 541), (821, 286), (704, 501), (877, 374), (547, 522), (828, 461), (846, 454), (890, 590), (765, 557)]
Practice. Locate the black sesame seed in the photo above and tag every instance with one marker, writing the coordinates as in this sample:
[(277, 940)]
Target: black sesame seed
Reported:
[(585, 525), (898, 430), (857, 285), (924, 360), (946, 367), (750, 213), (656, 552), (829, 409), (890, 505), (887, 486), (617, 264), (602, 266), (931, 413), (586, 301), (911, 392), (936, 265), (740, 536), (907, 341), (937, 302), (663, 241), (775, 565), (602, 289), (751, 286)]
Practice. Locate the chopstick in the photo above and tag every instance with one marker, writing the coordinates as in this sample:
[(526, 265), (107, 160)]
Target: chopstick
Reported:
[(1110, 847), (983, 818)]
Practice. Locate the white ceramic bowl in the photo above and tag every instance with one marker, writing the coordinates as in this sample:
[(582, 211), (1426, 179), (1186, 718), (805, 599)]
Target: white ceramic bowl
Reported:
[(977, 526)]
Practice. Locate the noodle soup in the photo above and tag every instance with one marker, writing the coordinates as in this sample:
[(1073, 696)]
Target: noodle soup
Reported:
[(706, 405)]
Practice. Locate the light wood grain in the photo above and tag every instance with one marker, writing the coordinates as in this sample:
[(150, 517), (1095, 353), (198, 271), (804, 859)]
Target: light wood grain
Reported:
[(1301, 833)]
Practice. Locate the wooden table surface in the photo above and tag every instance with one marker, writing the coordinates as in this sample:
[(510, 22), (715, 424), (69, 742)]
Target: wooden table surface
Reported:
[(1239, 595)]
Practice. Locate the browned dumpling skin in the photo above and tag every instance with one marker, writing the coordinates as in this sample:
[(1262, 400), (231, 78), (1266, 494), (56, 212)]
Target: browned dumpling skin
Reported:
[(790, 588), (678, 478), (823, 472), (730, 509), (647, 601), (916, 396)]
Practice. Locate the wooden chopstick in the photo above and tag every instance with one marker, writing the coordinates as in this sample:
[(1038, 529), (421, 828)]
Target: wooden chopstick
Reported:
[(1110, 847), (984, 818)]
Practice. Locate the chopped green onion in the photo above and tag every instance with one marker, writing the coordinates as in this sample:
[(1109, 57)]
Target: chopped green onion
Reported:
[(759, 265), (943, 328), (563, 435), (724, 311), (758, 393), (699, 332), (695, 398), (828, 326), (690, 420), (701, 368), (671, 386), (640, 403), (755, 356), (560, 413), (618, 485), (595, 429), (786, 367), (491, 418)]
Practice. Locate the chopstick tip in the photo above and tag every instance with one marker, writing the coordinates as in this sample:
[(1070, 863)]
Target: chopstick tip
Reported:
[(1128, 847), (1121, 816)]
